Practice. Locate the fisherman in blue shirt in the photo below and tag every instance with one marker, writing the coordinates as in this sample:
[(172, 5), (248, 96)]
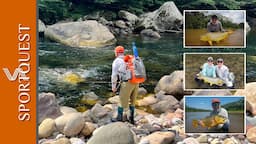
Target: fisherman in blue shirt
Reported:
[(209, 70)]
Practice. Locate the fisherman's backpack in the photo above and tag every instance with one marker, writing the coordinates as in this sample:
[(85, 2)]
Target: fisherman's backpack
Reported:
[(136, 72)]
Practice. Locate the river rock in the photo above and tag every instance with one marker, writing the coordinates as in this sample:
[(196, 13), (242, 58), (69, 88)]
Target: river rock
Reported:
[(87, 116), (149, 33), (203, 138), (120, 24), (90, 98), (165, 103), (142, 91), (160, 138), (70, 124), (88, 33), (58, 141), (74, 140), (46, 128), (88, 128), (66, 110), (128, 16), (114, 99), (146, 101), (247, 26), (165, 19), (213, 93), (250, 95), (171, 84), (41, 26), (47, 107), (72, 78), (100, 115), (231, 140), (113, 133), (251, 135), (190, 140)]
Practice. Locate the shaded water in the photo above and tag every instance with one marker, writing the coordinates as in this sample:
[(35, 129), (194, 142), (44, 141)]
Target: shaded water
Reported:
[(236, 122), (192, 38), (161, 57)]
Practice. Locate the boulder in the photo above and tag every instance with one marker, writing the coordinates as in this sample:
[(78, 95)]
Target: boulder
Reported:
[(88, 33), (120, 24), (203, 138), (190, 140), (146, 101), (46, 128), (66, 110), (41, 26), (142, 91), (58, 141), (74, 140), (250, 95), (149, 33), (165, 19), (100, 115), (70, 124), (171, 84), (47, 107), (251, 135), (165, 103), (113, 133), (160, 138), (88, 128), (125, 15), (90, 98), (114, 99)]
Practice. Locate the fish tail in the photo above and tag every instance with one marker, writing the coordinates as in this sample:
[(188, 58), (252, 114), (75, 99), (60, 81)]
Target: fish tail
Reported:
[(195, 123)]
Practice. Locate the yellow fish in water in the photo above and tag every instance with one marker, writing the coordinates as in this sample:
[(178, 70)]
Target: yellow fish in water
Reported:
[(209, 121), (211, 81), (215, 37)]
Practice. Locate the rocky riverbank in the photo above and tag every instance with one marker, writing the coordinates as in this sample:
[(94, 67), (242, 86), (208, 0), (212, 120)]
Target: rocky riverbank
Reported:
[(159, 119)]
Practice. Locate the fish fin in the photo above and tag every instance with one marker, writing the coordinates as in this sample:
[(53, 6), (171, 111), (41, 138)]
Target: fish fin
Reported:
[(195, 123)]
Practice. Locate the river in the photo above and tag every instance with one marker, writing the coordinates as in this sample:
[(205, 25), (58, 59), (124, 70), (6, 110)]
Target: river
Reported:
[(236, 122), (161, 57)]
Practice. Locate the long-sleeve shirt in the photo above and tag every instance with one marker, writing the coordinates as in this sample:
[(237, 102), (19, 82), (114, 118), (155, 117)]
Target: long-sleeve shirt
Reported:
[(209, 70), (221, 112), (118, 66), (222, 72), (215, 27)]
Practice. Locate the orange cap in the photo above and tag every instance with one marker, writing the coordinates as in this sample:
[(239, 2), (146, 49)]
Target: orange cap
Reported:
[(119, 49), (215, 100), (127, 58)]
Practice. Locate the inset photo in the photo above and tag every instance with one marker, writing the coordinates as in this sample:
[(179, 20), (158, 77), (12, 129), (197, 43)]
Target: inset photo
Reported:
[(214, 71), (215, 114), (214, 28)]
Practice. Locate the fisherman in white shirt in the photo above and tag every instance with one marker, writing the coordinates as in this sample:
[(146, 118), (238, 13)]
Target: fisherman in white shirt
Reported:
[(222, 72)]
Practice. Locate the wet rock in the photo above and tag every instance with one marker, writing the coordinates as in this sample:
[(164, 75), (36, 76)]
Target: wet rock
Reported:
[(164, 19), (90, 98), (70, 124), (87, 116), (46, 128), (120, 24), (66, 110), (72, 78), (88, 128), (128, 16), (142, 91), (250, 95), (41, 26), (149, 33), (47, 107), (103, 21), (114, 133), (88, 33), (100, 115), (171, 84), (251, 135), (160, 138), (146, 101)]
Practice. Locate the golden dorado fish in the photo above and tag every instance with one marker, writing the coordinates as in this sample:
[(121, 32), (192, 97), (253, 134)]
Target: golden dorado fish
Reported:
[(209, 121), (211, 81), (211, 37)]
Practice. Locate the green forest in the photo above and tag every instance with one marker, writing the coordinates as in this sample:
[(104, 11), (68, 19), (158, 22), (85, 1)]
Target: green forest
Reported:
[(52, 11)]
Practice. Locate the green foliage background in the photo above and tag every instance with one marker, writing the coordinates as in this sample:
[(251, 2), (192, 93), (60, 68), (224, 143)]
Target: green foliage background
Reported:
[(51, 11)]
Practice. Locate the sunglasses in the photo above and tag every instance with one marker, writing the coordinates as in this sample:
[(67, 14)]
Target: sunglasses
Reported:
[(219, 61), (215, 104)]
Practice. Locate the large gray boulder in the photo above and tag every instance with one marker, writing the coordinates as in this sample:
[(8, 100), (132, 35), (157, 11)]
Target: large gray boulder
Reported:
[(47, 107), (165, 19), (171, 84), (41, 26), (88, 33), (114, 133), (149, 33), (128, 16)]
